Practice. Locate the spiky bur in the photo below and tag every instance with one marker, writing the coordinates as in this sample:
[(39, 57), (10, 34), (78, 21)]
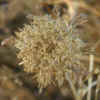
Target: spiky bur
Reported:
[(48, 48)]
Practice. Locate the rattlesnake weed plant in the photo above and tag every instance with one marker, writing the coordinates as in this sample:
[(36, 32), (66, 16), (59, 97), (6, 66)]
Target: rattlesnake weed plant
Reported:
[(48, 48)]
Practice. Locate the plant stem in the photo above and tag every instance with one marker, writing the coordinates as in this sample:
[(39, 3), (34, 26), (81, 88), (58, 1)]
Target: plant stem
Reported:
[(91, 65), (72, 87)]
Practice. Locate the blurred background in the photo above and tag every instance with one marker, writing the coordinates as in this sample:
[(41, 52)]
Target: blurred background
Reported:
[(15, 84)]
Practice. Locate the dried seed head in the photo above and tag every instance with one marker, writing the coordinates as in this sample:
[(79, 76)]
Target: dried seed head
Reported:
[(48, 48)]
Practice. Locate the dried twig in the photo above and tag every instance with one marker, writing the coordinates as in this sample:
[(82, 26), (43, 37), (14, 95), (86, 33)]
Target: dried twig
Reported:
[(86, 58)]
